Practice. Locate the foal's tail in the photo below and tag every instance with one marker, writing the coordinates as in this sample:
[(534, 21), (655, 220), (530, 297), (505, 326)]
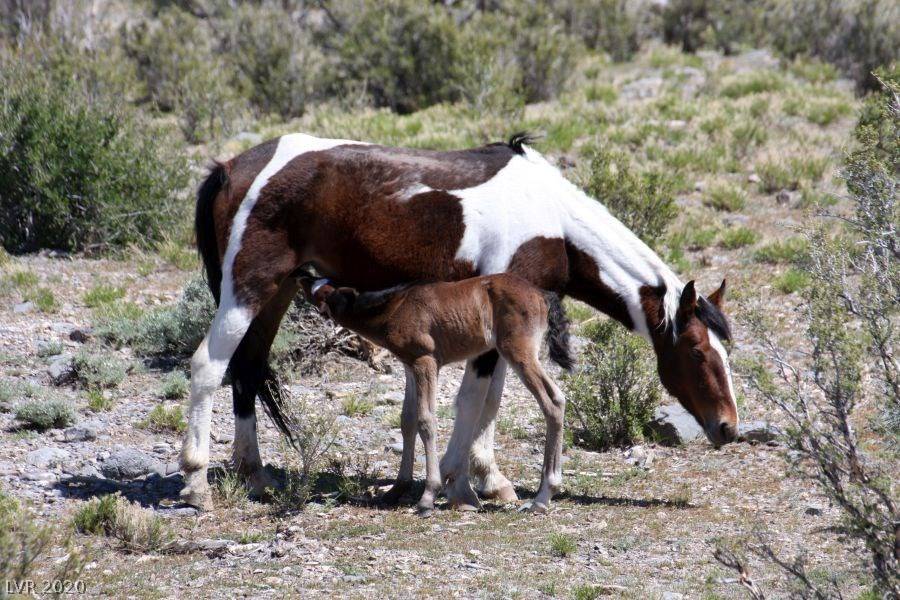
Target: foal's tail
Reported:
[(558, 333)]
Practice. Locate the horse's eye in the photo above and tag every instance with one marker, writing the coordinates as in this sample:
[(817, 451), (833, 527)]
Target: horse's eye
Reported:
[(697, 354)]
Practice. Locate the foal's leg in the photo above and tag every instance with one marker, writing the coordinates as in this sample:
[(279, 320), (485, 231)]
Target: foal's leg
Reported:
[(553, 404), (408, 428), (492, 483), (252, 376), (425, 371), (455, 464)]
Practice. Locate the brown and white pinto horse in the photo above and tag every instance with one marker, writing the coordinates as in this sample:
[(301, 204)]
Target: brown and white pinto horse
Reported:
[(430, 325), (371, 217)]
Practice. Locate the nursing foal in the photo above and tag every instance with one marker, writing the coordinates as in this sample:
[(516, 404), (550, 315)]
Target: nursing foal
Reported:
[(430, 325)]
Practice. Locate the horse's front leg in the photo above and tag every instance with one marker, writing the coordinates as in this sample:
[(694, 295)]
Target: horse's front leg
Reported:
[(408, 418)]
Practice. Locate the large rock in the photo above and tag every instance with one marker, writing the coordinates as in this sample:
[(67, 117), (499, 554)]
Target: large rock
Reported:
[(61, 370), (761, 432), (80, 433), (46, 458), (129, 463), (672, 425)]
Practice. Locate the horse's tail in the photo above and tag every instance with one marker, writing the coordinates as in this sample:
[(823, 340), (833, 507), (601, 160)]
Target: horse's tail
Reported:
[(205, 227), (558, 332)]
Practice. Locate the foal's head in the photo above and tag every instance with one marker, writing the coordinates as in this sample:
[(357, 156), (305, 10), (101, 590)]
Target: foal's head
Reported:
[(693, 364)]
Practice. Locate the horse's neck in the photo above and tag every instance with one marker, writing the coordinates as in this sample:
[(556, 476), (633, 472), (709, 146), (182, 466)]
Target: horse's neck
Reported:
[(626, 265)]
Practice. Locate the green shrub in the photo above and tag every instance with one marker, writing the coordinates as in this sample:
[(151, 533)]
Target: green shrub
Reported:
[(720, 24), (183, 71), (355, 405), (404, 54), (751, 82), (726, 197), (789, 250), (780, 174), (98, 401), (138, 529), (613, 393), (613, 26), (276, 64), (162, 419), (791, 281), (643, 201), (45, 414), (79, 171), (562, 545), (175, 386), (102, 293), (98, 370), (97, 516), (738, 237)]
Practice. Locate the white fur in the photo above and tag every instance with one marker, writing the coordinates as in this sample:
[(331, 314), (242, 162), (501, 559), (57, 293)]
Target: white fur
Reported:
[(317, 285), (245, 453), (716, 343)]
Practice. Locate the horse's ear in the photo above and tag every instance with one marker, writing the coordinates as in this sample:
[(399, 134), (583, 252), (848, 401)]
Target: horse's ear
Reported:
[(718, 296), (688, 302)]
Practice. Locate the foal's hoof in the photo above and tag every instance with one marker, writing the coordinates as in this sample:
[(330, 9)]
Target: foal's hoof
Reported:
[(505, 494), (200, 499), (535, 508)]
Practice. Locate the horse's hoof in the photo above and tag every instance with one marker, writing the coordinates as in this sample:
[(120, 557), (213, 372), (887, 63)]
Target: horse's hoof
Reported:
[(393, 495), (466, 507), (505, 494), (200, 499), (535, 508)]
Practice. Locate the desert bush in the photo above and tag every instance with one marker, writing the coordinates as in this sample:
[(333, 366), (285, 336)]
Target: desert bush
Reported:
[(723, 25), (613, 393), (175, 386), (45, 414), (164, 419), (643, 201), (613, 26), (95, 369), (851, 338), (404, 54), (726, 197), (102, 293), (138, 529), (23, 541), (276, 64), (180, 66), (79, 169), (738, 237), (789, 250)]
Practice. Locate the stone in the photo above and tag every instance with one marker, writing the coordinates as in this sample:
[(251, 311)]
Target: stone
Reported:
[(672, 596), (396, 448), (129, 463), (222, 437), (46, 458), (783, 197), (639, 456), (395, 398), (761, 432), (672, 425), (80, 433), (753, 178), (61, 370), (81, 335), (23, 308), (41, 476)]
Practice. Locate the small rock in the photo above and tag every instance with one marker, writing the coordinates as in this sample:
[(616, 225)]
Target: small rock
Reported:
[(129, 463), (783, 197), (81, 335), (753, 178), (90, 471), (676, 124), (396, 448), (813, 510), (639, 456), (672, 596), (61, 370), (222, 437), (80, 433), (23, 308), (39, 476), (46, 458), (394, 398), (672, 425), (761, 432), (699, 186)]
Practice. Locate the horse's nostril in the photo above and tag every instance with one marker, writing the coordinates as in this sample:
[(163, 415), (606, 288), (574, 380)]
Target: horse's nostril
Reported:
[(728, 432)]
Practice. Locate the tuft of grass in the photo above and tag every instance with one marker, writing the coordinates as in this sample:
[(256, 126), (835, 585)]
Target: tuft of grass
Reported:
[(746, 135), (356, 406), (813, 70), (179, 255), (738, 237), (102, 293), (562, 545), (751, 82), (98, 401), (138, 529), (12, 391), (101, 370), (791, 281), (231, 491), (41, 415), (175, 386), (778, 175), (50, 349), (96, 517), (162, 419), (601, 92), (44, 300), (586, 592), (789, 250), (726, 197)]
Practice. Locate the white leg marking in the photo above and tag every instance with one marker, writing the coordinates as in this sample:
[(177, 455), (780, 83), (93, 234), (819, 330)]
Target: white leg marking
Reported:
[(245, 454), (492, 482)]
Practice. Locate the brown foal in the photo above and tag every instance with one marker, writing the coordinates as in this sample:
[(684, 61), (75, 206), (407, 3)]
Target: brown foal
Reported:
[(430, 325)]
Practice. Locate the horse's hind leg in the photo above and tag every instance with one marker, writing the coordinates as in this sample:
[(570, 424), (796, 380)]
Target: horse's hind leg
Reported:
[(492, 483), (252, 376)]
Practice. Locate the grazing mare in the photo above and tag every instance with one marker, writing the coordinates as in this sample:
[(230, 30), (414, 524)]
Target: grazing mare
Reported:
[(373, 216), (431, 325)]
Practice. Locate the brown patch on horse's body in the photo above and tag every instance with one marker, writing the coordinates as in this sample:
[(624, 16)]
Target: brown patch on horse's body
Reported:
[(586, 285)]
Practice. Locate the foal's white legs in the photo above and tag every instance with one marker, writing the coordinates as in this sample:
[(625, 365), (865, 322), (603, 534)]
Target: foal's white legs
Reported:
[(492, 483), (208, 366)]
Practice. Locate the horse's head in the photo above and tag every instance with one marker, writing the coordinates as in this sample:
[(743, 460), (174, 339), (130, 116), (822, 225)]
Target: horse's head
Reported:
[(693, 364)]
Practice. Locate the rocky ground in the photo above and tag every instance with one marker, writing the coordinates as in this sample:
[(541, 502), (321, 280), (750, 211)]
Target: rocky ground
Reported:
[(641, 522)]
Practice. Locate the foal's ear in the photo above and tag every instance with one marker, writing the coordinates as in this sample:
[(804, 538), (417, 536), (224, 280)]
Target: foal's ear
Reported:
[(688, 302), (718, 296)]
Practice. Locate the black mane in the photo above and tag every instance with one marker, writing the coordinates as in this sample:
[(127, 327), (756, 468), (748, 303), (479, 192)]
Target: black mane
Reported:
[(710, 315), (369, 301), (518, 140)]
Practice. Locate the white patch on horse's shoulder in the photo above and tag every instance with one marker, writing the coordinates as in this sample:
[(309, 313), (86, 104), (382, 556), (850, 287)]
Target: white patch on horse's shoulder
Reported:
[(717, 345)]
